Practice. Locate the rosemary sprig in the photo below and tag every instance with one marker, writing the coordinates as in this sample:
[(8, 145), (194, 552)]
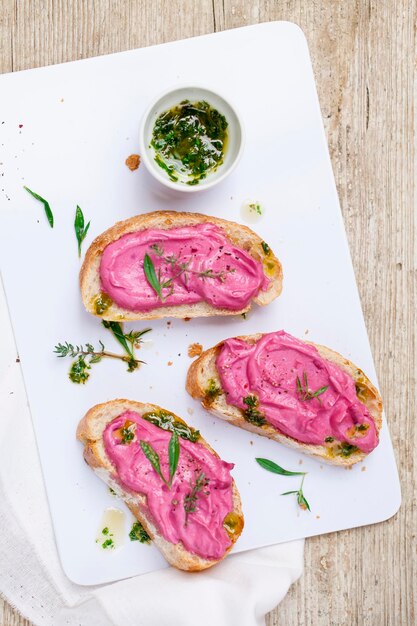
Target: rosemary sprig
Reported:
[(47, 208), (190, 500), (305, 393), (270, 466), (128, 341), (80, 231), (173, 456)]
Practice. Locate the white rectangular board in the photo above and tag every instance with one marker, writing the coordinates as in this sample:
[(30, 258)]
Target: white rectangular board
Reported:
[(65, 132)]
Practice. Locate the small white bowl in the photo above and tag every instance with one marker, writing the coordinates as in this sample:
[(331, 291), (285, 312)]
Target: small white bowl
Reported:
[(173, 97)]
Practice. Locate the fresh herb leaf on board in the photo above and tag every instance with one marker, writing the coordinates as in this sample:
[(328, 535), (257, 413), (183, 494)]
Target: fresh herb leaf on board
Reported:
[(270, 466), (47, 208), (80, 231)]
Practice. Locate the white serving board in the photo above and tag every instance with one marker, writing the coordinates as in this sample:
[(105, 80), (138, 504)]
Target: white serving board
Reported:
[(80, 122)]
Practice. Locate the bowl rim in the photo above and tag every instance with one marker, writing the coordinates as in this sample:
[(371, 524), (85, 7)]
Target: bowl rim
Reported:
[(148, 162)]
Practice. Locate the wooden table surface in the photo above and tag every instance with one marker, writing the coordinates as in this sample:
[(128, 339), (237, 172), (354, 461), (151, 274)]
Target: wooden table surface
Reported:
[(363, 54)]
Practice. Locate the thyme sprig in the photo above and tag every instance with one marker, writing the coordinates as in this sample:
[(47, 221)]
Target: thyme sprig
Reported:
[(86, 355), (305, 393), (190, 500), (270, 466), (178, 269)]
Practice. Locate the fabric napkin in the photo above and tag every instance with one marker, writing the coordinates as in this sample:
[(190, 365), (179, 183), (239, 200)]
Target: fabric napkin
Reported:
[(238, 591)]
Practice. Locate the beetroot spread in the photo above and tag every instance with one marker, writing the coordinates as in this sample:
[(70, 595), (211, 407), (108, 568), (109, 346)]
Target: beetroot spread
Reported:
[(192, 264), (201, 531), (268, 370)]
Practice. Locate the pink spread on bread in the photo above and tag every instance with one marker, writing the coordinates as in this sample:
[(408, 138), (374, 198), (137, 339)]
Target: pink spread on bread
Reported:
[(269, 369), (202, 531), (195, 263)]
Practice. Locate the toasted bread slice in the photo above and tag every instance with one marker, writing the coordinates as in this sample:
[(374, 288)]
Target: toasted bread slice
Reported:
[(240, 236), (203, 370), (90, 433)]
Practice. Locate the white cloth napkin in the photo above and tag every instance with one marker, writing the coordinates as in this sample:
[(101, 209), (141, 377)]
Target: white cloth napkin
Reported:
[(239, 591)]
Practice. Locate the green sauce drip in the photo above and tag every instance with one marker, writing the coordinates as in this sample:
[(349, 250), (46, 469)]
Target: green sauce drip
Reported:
[(190, 141), (102, 303), (167, 421)]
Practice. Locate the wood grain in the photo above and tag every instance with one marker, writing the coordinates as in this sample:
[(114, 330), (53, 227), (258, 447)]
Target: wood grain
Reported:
[(363, 54)]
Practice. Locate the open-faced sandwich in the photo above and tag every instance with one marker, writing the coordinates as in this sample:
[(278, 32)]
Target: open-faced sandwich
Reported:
[(171, 264), (170, 478), (303, 395)]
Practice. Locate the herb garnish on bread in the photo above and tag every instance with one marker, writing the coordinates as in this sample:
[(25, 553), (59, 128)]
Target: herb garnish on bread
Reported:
[(171, 479), (177, 264), (303, 395)]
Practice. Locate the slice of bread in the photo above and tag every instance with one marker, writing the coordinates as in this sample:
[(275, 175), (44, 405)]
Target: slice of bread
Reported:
[(240, 236), (203, 370), (90, 433)]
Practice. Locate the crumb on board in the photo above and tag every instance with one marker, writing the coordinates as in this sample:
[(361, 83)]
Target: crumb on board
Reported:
[(169, 323), (306, 331), (194, 349), (317, 516), (187, 319), (170, 363), (300, 462), (190, 411), (363, 468), (133, 162), (251, 442)]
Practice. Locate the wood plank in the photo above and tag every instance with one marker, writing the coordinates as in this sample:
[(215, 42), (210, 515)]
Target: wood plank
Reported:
[(363, 54)]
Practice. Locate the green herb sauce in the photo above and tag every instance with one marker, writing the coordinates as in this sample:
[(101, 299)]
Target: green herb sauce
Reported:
[(190, 141), (138, 533), (102, 303), (167, 421)]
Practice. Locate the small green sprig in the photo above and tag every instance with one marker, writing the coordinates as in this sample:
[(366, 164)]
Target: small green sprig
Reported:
[(305, 393), (270, 466), (173, 457), (128, 341), (190, 500), (47, 208), (80, 231)]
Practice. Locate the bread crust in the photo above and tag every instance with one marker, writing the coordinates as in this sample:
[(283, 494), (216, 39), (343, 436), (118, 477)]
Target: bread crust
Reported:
[(241, 236), (204, 368), (89, 433)]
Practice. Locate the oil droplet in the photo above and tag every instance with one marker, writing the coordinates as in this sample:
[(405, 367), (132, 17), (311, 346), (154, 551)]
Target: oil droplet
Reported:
[(111, 531), (252, 211)]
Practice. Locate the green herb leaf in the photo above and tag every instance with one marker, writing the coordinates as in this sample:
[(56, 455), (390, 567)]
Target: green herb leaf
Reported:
[(265, 248), (190, 500), (151, 277), (174, 455), (287, 493), (118, 333), (80, 231), (276, 469), (305, 393), (138, 533), (302, 502), (153, 458), (48, 211)]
